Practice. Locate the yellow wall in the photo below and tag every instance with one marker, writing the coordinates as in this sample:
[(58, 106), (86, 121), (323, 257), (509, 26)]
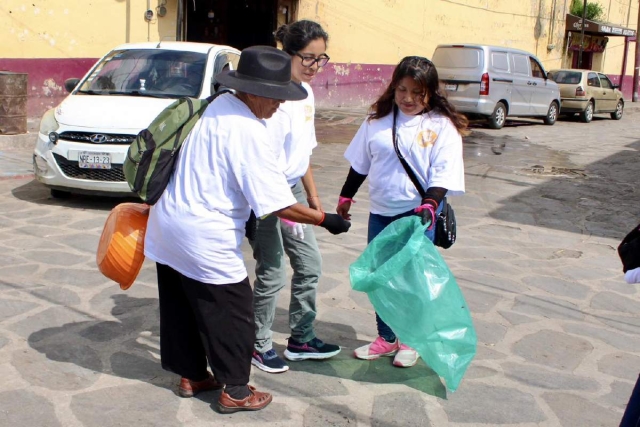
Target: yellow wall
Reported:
[(78, 29), (384, 31), (619, 13), (361, 31)]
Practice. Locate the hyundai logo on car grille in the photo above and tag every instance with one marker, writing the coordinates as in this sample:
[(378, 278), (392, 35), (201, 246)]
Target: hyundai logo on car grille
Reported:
[(98, 138)]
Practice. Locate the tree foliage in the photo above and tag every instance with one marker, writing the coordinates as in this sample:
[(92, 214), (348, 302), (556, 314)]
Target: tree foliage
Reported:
[(595, 11)]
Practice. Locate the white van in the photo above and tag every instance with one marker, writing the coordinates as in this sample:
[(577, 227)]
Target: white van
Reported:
[(496, 82)]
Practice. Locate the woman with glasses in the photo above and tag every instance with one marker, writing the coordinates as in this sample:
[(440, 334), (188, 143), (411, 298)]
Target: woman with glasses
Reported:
[(428, 130), (293, 137)]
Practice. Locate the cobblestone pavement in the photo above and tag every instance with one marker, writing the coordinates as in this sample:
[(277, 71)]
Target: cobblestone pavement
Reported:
[(558, 328)]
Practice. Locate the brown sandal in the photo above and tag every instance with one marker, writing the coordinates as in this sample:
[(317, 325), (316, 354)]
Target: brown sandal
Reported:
[(254, 402), (188, 388)]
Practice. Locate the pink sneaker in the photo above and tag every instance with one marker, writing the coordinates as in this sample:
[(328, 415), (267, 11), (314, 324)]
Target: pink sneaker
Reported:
[(406, 357), (377, 349)]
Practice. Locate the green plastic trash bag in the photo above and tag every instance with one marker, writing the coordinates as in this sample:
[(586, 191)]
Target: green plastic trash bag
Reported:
[(414, 292)]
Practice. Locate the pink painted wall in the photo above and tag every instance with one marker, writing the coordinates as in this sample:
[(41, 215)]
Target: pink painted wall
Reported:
[(46, 79), (627, 85), (337, 86), (350, 85)]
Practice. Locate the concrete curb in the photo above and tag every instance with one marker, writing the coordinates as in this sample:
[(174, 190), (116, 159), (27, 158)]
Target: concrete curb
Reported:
[(17, 176), (18, 142)]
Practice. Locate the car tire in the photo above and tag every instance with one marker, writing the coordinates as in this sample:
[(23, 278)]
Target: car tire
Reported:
[(617, 115), (59, 194), (499, 116), (552, 114), (587, 115)]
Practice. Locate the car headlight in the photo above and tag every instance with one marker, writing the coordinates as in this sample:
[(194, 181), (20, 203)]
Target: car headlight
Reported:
[(49, 124)]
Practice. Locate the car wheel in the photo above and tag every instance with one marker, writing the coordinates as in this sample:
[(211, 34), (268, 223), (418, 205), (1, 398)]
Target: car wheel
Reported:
[(552, 114), (498, 117), (59, 194), (587, 114), (617, 115)]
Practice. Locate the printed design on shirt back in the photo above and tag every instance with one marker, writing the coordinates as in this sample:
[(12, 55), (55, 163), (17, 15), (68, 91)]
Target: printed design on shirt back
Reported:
[(308, 112), (426, 138)]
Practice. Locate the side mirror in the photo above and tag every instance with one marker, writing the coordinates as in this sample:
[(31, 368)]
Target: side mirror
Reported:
[(70, 84), (616, 86)]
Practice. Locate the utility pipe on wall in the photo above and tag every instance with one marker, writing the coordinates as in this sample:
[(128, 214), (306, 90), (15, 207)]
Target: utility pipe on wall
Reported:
[(624, 61), (149, 22), (179, 23), (582, 25), (636, 65)]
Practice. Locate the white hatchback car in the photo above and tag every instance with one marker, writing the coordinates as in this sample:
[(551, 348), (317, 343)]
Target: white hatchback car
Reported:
[(83, 142)]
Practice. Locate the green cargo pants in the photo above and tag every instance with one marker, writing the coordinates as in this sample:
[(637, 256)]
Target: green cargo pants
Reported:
[(271, 243)]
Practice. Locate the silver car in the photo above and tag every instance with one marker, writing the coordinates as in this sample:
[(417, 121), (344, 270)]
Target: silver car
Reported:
[(496, 82)]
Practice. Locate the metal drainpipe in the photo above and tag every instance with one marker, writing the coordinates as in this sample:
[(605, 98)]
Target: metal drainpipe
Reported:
[(148, 22), (584, 18), (553, 22), (179, 23), (624, 61)]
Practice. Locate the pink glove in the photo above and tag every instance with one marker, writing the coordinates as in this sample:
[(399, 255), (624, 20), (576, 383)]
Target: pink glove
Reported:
[(293, 228), (428, 212), (342, 200)]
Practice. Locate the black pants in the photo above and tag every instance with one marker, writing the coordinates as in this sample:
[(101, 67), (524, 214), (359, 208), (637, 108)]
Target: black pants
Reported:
[(631, 416), (199, 321)]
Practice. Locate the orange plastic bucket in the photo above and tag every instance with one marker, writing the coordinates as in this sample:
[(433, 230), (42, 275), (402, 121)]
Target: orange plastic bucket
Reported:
[(121, 249)]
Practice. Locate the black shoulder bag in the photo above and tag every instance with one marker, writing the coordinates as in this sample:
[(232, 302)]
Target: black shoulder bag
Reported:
[(629, 250), (446, 219)]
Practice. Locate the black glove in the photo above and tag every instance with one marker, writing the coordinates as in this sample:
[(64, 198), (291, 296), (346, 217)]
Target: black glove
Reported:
[(334, 223)]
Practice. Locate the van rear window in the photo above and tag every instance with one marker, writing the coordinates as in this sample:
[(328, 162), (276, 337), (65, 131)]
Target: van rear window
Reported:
[(566, 77), (457, 57)]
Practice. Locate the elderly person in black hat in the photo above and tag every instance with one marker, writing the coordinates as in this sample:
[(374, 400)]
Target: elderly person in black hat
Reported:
[(194, 233)]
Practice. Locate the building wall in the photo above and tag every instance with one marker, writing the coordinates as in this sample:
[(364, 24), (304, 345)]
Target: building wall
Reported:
[(367, 38), (54, 40)]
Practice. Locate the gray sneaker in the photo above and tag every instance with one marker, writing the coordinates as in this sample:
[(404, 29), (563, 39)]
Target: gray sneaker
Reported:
[(314, 349), (269, 361)]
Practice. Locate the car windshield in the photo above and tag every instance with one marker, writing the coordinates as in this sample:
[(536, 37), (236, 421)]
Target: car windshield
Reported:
[(147, 72), (566, 77)]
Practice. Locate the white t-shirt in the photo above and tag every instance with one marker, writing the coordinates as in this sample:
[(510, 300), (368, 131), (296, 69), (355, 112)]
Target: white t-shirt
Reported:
[(293, 135), (431, 145), (225, 168)]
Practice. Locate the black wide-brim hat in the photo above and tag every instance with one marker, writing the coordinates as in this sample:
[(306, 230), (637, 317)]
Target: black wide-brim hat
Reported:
[(263, 71)]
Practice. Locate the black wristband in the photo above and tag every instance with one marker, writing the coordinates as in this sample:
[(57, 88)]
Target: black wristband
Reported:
[(435, 193), (352, 184)]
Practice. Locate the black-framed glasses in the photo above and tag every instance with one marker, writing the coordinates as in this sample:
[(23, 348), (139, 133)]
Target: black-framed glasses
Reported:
[(308, 61)]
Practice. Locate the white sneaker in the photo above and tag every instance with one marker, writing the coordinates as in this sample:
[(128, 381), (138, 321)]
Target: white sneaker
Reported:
[(406, 357)]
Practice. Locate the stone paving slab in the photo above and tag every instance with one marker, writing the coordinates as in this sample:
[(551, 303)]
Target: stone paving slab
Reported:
[(558, 329)]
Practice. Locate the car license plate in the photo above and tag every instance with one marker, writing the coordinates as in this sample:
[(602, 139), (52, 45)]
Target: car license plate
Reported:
[(91, 160), (451, 88)]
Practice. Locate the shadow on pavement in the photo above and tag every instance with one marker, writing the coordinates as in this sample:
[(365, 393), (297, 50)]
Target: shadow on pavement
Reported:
[(34, 192), (128, 347), (346, 366), (600, 199), (380, 371), (510, 123)]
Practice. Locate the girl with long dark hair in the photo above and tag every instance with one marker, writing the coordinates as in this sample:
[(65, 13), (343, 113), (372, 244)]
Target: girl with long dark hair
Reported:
[(429, 133)]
